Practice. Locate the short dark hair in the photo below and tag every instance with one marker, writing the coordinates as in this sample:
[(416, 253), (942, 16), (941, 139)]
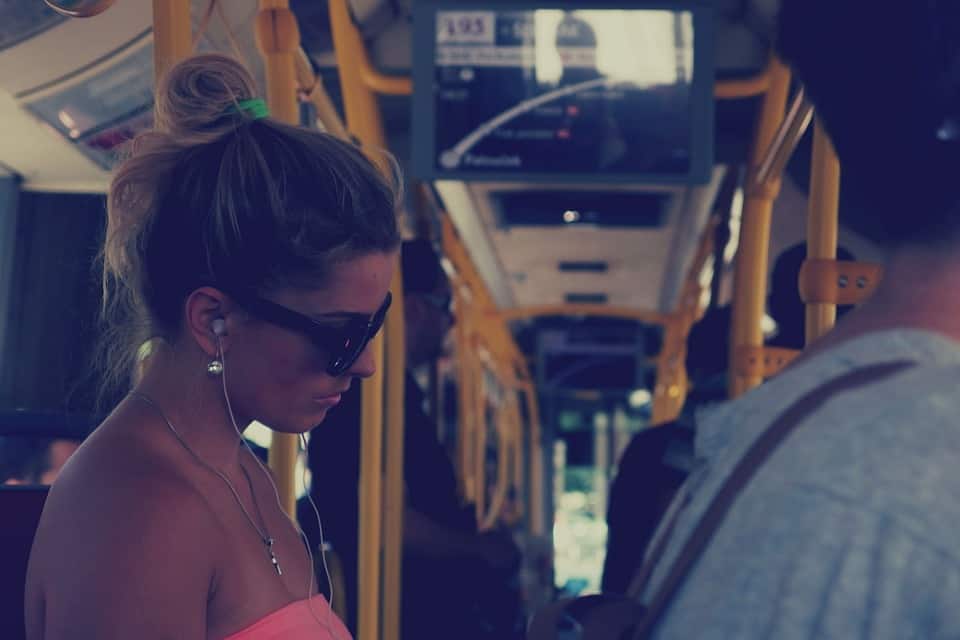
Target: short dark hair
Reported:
[(885, 79)]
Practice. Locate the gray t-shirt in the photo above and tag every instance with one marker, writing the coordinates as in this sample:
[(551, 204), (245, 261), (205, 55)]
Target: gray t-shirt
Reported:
[(852, 528)]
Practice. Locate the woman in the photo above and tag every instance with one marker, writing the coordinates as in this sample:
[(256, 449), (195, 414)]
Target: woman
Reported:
[(258, 257)]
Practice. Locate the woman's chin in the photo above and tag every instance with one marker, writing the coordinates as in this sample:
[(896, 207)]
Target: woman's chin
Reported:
[(304, 424)]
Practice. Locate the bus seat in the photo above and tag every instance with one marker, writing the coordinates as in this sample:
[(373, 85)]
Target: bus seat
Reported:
[(20, 509)]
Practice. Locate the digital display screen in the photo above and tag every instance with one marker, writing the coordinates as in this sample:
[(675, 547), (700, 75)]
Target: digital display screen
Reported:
[(563, 91), (104, 110), (123, 88)]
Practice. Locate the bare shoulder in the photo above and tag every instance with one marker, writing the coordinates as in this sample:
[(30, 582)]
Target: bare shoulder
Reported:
[(125, 545)]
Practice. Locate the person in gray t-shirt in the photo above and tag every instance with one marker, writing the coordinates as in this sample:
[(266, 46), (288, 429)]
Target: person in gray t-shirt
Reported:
[(850, 530)]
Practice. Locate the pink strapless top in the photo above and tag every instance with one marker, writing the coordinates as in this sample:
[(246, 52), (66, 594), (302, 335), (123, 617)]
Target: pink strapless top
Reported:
[(296, 622)]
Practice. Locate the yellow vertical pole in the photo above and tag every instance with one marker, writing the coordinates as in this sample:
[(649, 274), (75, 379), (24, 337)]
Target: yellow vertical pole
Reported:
[(537, 521), (371, 501), (498, 497), (363, 120), (278, 39), (463, 398), (481, 425), (395, 369), (172, 34), (822, 224), (466, 383), (750, 275), (669, 392), (519, 482), (360, 104), (468, 419)]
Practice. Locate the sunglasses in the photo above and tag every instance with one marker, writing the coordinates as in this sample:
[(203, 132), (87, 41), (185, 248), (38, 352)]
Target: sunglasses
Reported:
[(342, 342)]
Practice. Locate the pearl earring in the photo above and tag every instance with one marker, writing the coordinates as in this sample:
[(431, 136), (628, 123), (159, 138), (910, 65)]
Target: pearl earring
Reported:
[(215, 368)]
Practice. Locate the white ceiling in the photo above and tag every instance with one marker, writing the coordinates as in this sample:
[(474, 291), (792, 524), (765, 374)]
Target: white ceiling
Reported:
[(519, 264), (646, 266), (45, 159), (71, 52)]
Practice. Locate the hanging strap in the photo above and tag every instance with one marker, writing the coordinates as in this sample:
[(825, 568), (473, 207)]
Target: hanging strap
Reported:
[(745, 470)]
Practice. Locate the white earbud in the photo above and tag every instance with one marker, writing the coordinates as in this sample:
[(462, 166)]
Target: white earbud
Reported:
[(219, 327)]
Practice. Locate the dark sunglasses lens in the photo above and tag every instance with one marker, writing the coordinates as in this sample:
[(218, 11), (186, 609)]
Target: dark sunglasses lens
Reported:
[(349, 345), (352, 342), (354, 339)]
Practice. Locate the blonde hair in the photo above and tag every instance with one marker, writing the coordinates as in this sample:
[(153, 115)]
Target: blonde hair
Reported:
[(215, 196)]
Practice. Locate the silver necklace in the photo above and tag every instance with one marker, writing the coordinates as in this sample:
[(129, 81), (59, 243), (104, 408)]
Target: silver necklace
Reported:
[(264, 535)]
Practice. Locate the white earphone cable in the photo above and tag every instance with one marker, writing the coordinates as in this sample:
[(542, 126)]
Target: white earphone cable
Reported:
[(226, 396)]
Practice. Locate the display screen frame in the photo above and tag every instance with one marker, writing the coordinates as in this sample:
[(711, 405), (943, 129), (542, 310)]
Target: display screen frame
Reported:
[(701, 113)]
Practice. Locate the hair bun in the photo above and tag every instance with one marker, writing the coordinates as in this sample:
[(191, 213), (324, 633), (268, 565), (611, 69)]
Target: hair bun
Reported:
[(197, 92)]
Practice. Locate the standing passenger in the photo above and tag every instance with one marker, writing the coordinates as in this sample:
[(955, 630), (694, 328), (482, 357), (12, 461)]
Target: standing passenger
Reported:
[(849, 530), (442, 548), (258, 257)]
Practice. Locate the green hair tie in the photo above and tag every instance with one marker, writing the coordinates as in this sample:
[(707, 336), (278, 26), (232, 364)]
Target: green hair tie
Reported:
[(256, 108)]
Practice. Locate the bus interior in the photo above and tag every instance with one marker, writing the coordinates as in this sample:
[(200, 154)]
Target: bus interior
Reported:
[(598, 177)]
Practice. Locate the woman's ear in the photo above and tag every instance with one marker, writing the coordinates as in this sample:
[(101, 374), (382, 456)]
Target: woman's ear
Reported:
[(207, 317)]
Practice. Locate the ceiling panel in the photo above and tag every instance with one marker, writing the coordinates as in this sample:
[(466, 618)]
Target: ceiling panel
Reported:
[(646, 265), (637, 260), (85, 78)]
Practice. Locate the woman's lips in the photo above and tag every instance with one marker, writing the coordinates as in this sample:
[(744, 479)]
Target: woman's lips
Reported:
[(328, 401)]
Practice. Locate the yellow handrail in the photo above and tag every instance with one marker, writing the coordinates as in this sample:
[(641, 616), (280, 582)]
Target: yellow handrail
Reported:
[(838, 282), (491, 323), (478, 323), (465, 388), (671, 386), (537, 497), (359, 103), (382, 83), (755, 85), (364, 121), (482, 427), (822, 224), (394, 498), (750, 275), (367, 75), (518, 480), (172, 34), (504, 471), (312, 89), (510, 452), (670, 391), (277, 38), (371, 500)]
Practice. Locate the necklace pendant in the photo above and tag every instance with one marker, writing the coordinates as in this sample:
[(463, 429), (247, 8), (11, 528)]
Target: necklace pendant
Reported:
[(273, 556)]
